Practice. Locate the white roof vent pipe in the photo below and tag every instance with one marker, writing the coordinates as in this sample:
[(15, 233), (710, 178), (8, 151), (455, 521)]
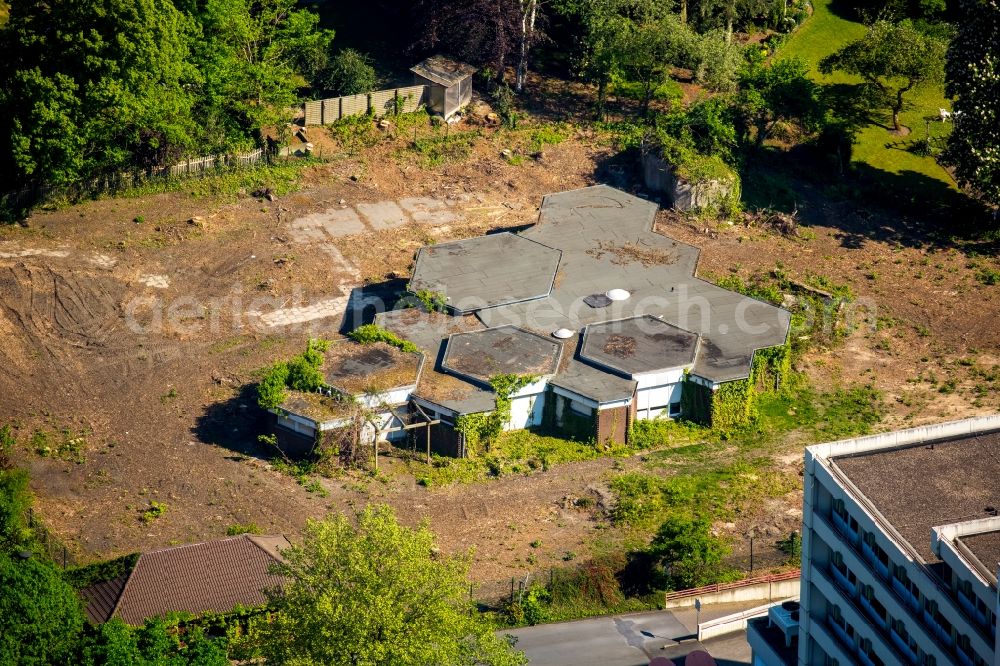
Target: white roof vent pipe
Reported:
[(617, 294), (563, 333)]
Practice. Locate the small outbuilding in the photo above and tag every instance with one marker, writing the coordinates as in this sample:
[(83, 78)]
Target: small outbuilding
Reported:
[(449, 83)]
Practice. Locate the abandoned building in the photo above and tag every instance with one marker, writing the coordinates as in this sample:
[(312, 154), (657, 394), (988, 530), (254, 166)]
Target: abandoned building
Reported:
[(603, 317), (376, 379)]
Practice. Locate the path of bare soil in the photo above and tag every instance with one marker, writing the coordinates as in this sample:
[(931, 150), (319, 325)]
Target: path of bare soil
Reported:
[(141, 338)]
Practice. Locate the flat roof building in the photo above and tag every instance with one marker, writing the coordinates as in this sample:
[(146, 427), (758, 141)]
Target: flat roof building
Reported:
[(603, 313), (901, 548)]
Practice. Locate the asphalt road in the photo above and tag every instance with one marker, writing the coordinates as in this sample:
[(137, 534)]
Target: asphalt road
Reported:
[(617, 640)]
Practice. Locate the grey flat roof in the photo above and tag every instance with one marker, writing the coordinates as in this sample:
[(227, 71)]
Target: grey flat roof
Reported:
[(986, 547), (479, 355), (593, 383), (929, 484), (639, 344), (427, 330), (586, 242), (442, 70), (608, 242), (356, 368), (486, 271)]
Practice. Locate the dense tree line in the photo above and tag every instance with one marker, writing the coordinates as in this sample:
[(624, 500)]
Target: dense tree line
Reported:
[(99, 86)]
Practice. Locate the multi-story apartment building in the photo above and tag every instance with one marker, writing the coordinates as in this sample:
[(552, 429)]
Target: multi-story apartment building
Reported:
[(901, 551)]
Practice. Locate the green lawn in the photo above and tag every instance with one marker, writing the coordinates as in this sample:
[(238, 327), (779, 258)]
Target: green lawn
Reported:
[(825, 32)]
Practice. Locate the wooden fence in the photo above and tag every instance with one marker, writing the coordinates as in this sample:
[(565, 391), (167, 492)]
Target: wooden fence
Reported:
[(380, 103)]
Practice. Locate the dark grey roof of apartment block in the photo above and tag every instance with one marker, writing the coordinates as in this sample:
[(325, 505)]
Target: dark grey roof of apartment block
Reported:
[(638, 345), (486, 271), (480, 355), (929, 484), (986, 547)]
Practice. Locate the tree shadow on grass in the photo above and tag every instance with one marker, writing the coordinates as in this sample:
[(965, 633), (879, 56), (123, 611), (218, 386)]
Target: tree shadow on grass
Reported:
[(851, 104), (865, 204)]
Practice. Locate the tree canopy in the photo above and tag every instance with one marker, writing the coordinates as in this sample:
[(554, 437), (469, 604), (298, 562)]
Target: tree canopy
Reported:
[(973, 79), (377, 593), (893, 59), (689, 552), (40, 615), (103, 86)]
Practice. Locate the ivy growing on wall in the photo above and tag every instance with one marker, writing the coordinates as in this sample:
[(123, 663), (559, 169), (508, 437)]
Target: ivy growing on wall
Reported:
[(696, 401), (485, 427), (300, 373), (734, 404)]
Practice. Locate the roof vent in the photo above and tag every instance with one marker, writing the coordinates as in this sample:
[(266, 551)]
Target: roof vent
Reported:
[(617, 294), (597, 301), (562, 333), (992, 510)]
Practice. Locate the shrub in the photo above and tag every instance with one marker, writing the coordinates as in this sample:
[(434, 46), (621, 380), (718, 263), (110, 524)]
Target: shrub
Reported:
[(41, 618), (690, 554), (301, 373), (531, 607), (349, 73), (15, 499), (370, 333), (248, 528)]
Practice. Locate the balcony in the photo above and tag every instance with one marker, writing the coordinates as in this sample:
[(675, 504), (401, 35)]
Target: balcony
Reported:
[(902, 646), (870, 563), (905, 594), (844, 529), (939, 632), (863, 658), (843, 581), (842, 636), (969, 606), (829, 590), (873, 615)]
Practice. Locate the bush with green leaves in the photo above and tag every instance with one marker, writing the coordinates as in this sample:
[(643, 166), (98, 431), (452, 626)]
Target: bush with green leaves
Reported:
[(530, 607), (349, 73), (15, 500), (370, 333), (300, 373), (41, 618), (718, 61), (690, 554), (156, 642)]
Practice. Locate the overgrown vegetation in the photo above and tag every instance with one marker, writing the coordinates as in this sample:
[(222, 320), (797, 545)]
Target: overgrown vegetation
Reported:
[(300, 373), (515, 452), (369, 333), (483, 428)]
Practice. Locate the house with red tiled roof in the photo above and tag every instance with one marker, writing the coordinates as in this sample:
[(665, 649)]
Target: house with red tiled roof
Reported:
[(209, 577)]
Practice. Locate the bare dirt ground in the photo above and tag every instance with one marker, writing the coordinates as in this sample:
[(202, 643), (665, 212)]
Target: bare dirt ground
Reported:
[(140, 338)]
